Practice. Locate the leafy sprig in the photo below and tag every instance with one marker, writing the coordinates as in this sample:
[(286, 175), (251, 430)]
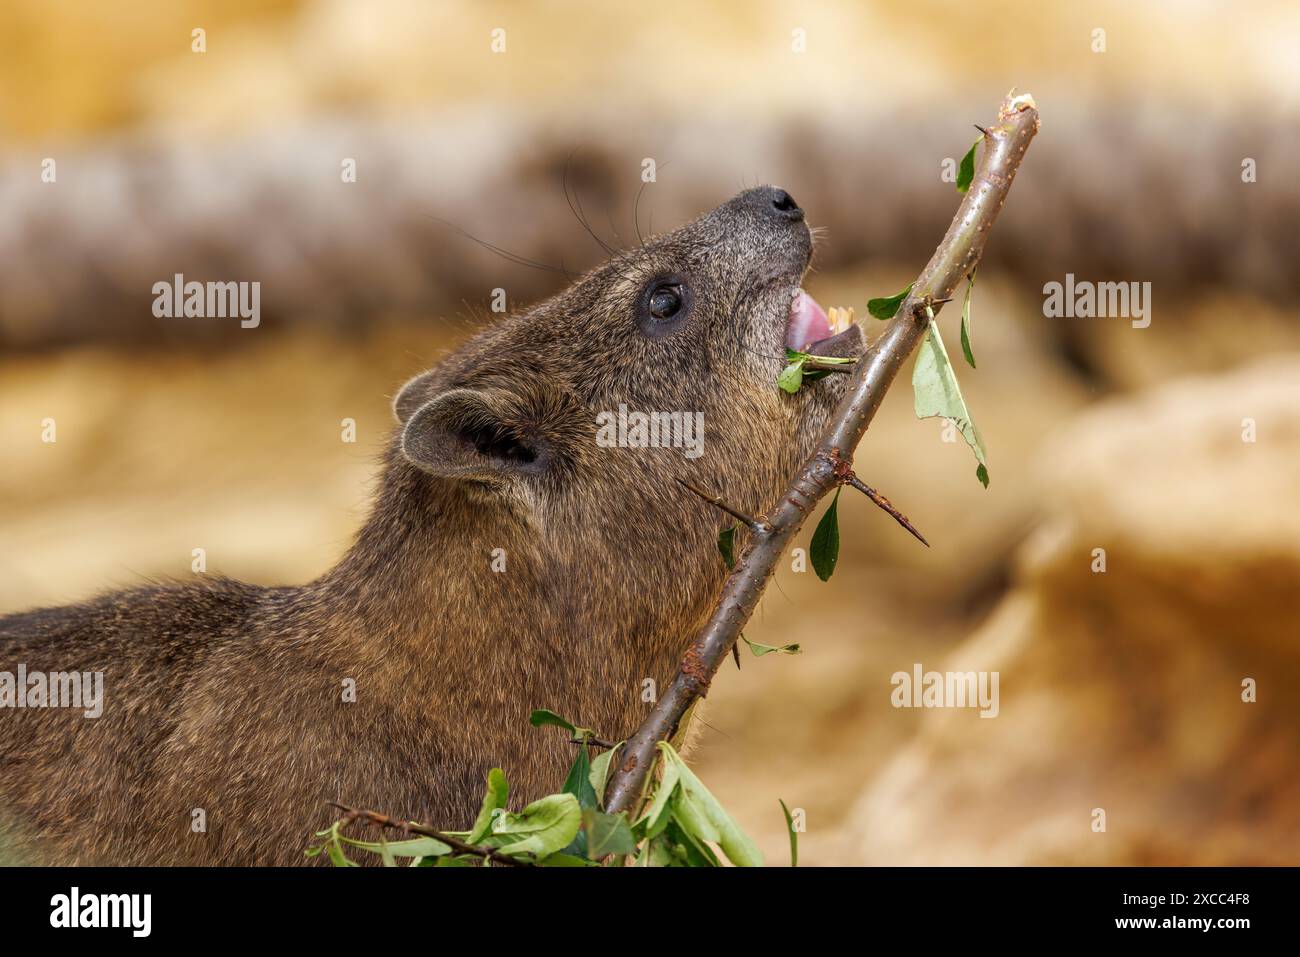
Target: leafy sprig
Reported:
[(796, 373), (683, 825)]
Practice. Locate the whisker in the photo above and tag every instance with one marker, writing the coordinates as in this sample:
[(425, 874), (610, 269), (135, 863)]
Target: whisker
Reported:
[(575, 207), (636, 212), (503, 253)]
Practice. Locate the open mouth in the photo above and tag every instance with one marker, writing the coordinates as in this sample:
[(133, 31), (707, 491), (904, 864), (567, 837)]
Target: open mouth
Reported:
[(809, 329)]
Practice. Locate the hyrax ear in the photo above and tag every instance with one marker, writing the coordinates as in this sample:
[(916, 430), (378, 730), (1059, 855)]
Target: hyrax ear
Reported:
[(479, 434), (417, 391)]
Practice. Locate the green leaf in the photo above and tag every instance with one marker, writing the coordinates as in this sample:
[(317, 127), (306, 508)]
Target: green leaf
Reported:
[(460, 860), (332, 846), (886, 307), (761, 650), (791, 377), (495, 798), (541, 717), (542, 828), (658, 852), (600, 771), (561, 859), (337, 857), (727, 545), (578, 783), (982, 474), (700, 815), (825, 551), (794, 838), (607, 834), (795, 375), (966, 172), (415, 847), (937, 393), (655, 818), (689, 850), (385, 853), (965, 322)]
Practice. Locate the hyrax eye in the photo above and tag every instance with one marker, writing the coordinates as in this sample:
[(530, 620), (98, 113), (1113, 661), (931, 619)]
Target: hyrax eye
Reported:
[(665, 304)]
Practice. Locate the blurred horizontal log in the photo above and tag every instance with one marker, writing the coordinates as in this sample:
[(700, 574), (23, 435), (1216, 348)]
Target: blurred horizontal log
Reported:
[(1142, 195)]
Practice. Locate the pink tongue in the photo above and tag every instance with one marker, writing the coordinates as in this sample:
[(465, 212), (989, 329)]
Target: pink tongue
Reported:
[(808, 323)]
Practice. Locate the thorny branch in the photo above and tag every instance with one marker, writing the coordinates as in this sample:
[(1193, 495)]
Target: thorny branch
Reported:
[(886, 504), (716, 501), (830, 466)]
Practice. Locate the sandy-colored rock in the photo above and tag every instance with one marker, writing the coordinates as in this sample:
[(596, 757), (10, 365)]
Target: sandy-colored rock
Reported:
[(1123, 690)]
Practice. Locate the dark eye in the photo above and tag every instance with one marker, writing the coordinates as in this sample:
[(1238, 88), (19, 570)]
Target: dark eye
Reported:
[(665, 304), (665, 301)]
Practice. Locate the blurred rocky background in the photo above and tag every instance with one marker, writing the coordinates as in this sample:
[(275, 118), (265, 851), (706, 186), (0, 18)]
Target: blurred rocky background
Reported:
[(1174, 448)]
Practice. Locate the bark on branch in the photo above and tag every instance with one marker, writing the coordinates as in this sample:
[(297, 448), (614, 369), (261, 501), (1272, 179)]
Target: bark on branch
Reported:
[(999, 156)]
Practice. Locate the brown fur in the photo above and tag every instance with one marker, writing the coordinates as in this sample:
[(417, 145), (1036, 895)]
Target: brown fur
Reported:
[(228, 697)]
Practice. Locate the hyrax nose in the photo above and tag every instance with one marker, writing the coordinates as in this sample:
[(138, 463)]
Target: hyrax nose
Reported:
[(770, 201)]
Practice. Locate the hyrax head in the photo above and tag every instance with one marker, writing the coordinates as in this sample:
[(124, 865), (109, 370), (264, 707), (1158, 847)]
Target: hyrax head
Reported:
[(576, 417)]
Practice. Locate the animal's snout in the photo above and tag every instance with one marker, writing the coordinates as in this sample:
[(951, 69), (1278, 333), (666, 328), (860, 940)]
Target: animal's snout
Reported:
[(771, 201), (764, 230)]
